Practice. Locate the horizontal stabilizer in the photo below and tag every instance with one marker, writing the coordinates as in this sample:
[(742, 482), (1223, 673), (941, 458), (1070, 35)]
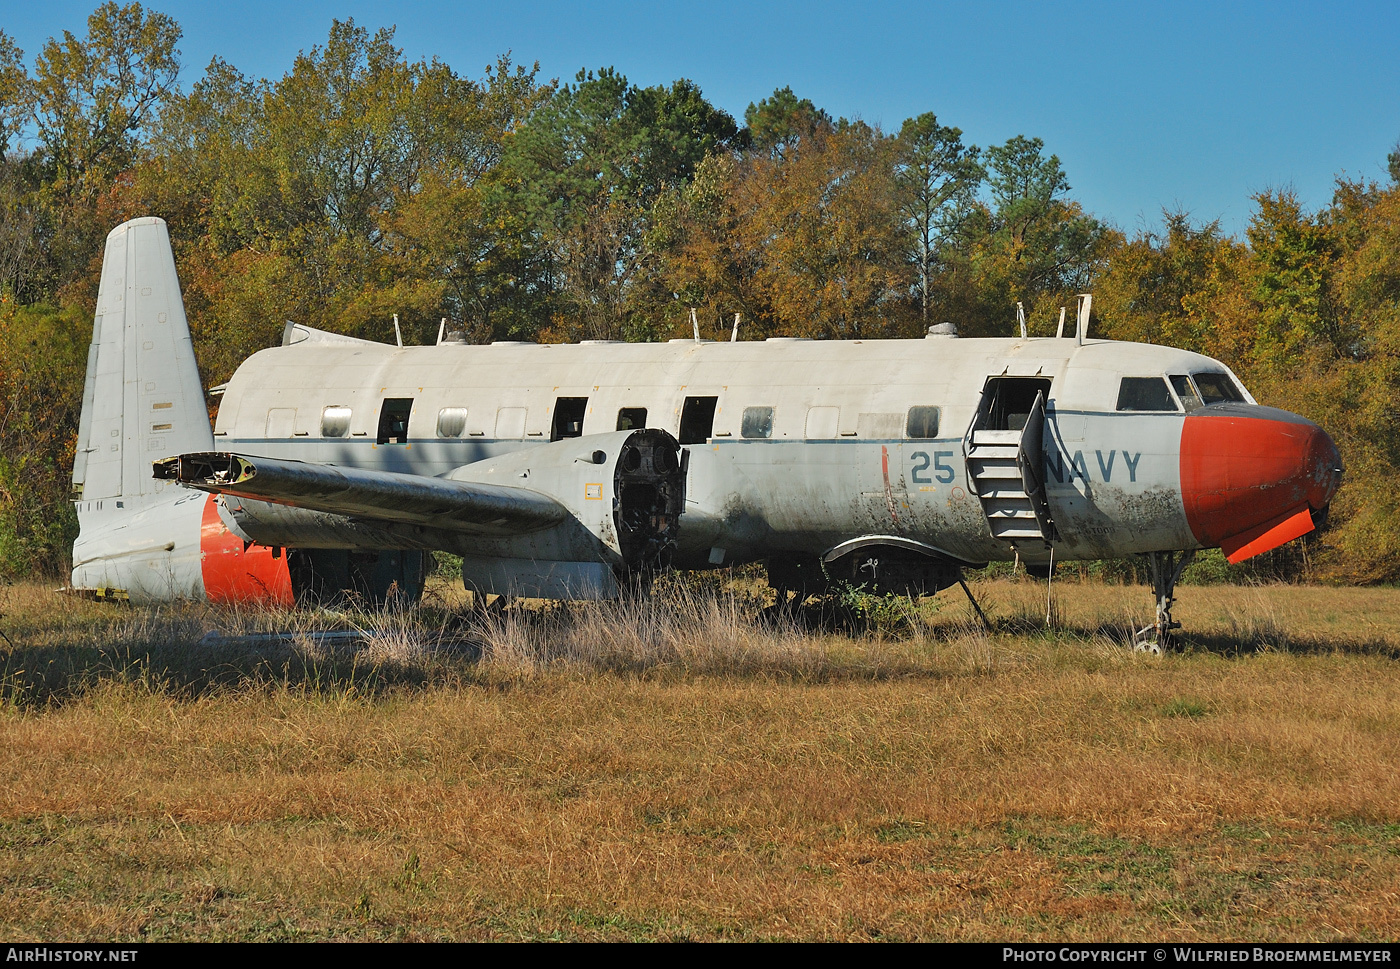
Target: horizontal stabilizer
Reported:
[(383, 496)]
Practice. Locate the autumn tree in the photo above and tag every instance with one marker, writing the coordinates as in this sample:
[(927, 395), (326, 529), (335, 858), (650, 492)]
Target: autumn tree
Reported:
[(89, 103), (586, 170), (806, 241), (776, 125), (1293, 256), (1180, 287), (1031, 243), (938, 177), (347, 191)]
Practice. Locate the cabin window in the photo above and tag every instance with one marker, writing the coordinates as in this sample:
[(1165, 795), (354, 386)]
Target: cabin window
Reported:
[(921, 423), (1217, 388), (1145, 394), (757, 423), (1186, 390), (393, 420), (510, 423), (631, 418), (568, 417), (335, 421), (451, 422), (697, 420)]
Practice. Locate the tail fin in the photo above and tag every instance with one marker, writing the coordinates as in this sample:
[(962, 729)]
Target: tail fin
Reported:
[(142, 400)]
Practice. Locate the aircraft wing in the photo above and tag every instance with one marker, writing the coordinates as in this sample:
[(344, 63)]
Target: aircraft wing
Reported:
[(465, 506)]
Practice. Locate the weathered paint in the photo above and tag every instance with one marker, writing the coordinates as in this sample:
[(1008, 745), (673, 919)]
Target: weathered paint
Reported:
[(1242, 468), (838, 463), (235, 572)]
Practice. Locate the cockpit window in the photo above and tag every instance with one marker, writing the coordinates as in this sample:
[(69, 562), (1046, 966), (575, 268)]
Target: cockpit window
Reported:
[(1217, 387), (1186, 390), (1145, 393)]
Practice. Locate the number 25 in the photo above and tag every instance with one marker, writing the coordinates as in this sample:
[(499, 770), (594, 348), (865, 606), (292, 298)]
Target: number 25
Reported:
[(944, 472)]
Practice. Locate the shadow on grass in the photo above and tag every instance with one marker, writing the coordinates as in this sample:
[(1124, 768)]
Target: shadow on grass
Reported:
[(193, 651)]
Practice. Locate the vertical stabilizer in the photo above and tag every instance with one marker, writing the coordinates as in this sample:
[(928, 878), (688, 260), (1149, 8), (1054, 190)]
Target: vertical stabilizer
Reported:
[(142, 400)]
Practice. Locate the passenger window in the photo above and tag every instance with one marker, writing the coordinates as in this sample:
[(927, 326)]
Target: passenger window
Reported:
[(757, 423), (631, 418), (393, 420), (1186, 391), (922, 423), (452, 421), (697, 420), (568, 417), (1145, 394), (335, 421), (1217, 388)]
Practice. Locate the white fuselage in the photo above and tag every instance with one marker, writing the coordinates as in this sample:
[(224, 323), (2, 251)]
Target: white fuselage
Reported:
[(838, 461)]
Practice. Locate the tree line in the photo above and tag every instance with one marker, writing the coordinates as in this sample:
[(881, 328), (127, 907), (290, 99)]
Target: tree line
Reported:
[(360, 185)]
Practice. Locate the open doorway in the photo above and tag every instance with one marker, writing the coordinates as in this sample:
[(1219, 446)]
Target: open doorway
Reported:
[(1007, 402), (568, 417), (697, 420)]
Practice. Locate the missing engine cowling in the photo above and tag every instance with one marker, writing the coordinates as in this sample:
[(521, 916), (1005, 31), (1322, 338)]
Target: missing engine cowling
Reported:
[(648, 499)]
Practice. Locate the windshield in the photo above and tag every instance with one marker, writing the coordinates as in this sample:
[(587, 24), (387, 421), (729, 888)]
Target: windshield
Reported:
[(1186, 390), (1217, 387)]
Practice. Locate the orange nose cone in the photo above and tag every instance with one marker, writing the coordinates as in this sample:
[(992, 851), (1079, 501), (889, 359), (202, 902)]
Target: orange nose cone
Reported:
[(1324, 470), (1251, 475)]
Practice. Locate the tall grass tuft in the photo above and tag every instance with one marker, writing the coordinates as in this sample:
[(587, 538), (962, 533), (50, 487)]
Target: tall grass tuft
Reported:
[(678, 629)]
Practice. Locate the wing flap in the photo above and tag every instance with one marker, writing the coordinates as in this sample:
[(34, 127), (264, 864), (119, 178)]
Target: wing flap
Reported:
[(370, 495)]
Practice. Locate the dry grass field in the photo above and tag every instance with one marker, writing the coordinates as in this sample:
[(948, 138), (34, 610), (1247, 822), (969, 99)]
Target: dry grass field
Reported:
[(680, 772)]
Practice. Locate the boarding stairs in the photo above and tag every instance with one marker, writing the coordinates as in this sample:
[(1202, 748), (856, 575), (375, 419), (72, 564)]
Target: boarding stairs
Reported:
[(992, 462), (1006, 468)]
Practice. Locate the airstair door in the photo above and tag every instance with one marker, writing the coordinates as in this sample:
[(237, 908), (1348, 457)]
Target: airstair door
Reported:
[(1005, 455), (1031, 458)]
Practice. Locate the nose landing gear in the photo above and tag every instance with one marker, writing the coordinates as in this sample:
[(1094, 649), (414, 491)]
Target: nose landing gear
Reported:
[(1165, 569)]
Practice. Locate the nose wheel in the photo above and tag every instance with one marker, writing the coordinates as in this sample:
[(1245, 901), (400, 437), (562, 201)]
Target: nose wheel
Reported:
[(1165, 569)]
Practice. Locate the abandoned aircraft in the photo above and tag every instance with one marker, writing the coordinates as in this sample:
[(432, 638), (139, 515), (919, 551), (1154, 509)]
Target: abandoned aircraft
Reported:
[(570, 471)]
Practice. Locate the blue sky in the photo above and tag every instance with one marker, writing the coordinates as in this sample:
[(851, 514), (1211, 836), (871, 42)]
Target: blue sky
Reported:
[(1183, 105)]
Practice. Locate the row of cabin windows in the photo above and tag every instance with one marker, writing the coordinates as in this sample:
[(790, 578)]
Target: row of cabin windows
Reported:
[(696, 427), (1197, 390), (920, 423)]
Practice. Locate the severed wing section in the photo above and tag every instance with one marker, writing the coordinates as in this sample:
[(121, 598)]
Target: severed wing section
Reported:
[(576, 518), (384, 496)]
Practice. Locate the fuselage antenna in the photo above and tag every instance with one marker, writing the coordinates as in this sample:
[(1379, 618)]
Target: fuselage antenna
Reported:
[(398, 334), (1060, 332), (442, 330), (734, 333), (1081, 329), (1021, 318), (695, 324)]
